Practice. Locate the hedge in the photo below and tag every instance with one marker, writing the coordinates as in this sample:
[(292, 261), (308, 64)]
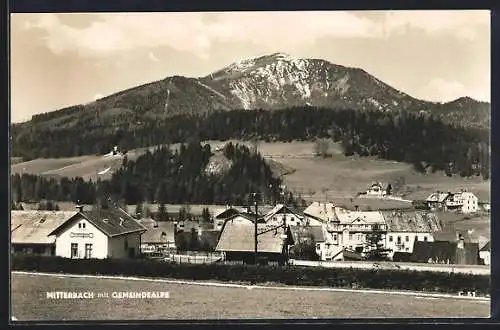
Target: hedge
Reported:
[(290, 275)]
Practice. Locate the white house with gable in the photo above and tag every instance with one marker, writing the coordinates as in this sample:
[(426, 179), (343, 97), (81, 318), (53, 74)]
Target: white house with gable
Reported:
[(106, 233), (281, 214), (463, 201), (345, 230), (406, 228)]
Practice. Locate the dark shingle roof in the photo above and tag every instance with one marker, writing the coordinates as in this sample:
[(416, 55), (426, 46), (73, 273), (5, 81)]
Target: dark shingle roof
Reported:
[(155, 231), (446, 252), (112, 222)]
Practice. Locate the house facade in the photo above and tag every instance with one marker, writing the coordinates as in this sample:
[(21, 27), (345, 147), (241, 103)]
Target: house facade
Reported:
[(463, 201), (406, 228), (282, 214), (158, 238), (350, 228), (376, 190), (109, 233), (345, 230)]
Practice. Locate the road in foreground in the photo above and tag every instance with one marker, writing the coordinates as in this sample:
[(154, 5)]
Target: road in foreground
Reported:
[(191, 301)]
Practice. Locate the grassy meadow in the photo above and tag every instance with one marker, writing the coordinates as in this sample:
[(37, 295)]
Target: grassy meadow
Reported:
[(189, 301), (314, 178)]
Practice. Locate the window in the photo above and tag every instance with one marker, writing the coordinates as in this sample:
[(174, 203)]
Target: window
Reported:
[(334, 237), (416, 238), (350, 237), (407, 239), (88, 250), (399, 239), (425, 238), (83, 225), (79, 225), (318, 246), (74, 250), (390, 238)]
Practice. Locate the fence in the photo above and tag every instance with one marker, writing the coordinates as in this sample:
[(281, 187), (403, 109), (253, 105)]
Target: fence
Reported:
[(464, 269), (194, 257)]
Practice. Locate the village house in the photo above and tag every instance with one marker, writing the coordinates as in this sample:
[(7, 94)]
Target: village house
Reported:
[(406, 228), (463, 201), (30, 231), (281, 214), (237, 241), (220, 215), (376, 190), (485, 254), (350, 228), (445, 252), (103, 233), (345, 230), (320, 213), (158, 238)]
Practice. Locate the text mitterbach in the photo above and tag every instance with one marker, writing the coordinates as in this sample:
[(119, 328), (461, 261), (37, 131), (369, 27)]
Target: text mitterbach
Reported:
[(70, 295)]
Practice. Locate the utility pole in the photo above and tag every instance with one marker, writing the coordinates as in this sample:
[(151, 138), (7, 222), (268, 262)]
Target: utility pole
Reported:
[(255, 226)]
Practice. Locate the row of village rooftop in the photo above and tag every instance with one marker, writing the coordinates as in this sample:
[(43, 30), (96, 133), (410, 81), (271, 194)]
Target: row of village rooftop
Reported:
[(338, 233)]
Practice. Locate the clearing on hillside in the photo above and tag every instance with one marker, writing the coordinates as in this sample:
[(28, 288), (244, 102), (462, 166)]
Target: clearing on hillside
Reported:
[(315, 178)]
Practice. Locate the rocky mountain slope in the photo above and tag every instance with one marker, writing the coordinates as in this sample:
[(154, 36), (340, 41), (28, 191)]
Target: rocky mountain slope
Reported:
[(267, 82)]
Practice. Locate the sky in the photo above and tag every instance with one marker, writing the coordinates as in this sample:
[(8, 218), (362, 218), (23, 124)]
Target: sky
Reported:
[(58, 60)]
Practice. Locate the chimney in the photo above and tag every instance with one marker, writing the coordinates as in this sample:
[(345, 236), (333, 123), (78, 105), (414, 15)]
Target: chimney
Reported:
[(79, 208)]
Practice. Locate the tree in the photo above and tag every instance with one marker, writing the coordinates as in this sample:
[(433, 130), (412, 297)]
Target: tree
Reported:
[(194, 242), (321, 148), (147, 211), (205, 215), (388, 190), (139, 210), (254, 145), (162, 212), (181, 241), (375, 246), (305, 249)]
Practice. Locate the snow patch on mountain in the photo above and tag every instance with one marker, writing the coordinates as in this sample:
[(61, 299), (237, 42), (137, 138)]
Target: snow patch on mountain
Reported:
[(270, 76), (211, 89)]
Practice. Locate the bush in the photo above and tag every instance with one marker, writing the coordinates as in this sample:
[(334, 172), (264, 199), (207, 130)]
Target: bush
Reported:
[(292, 275)]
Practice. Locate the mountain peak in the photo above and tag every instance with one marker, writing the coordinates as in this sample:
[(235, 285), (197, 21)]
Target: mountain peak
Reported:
[(283, 56)]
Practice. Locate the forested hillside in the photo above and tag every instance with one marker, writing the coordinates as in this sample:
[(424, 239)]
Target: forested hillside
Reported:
[(164, 176), (419, 139)]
